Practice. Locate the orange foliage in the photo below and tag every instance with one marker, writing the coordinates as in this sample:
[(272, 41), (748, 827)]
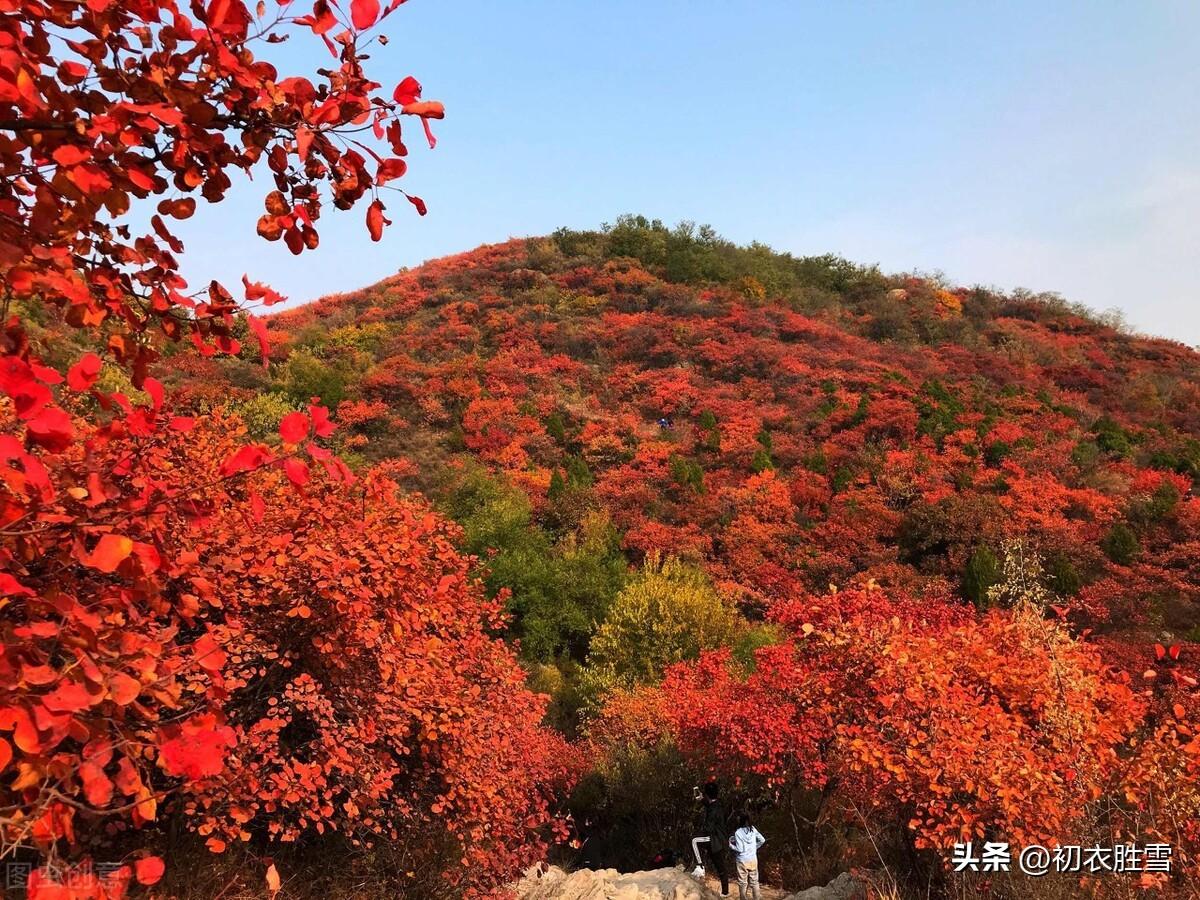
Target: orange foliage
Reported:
[(259, 646)]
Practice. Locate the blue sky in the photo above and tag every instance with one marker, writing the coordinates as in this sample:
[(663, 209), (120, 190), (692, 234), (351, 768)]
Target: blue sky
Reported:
[(1051, 146)]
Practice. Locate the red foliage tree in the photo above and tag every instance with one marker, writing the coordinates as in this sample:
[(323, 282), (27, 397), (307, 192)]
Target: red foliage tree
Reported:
[(947, 725), (105, 103), (190, 621), (276, 653)]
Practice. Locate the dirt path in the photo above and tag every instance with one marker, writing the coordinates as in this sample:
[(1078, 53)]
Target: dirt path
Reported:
[(768, 892)]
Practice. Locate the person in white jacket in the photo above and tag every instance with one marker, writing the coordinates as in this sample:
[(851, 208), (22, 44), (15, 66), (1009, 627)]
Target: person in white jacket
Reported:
[(745, 843)]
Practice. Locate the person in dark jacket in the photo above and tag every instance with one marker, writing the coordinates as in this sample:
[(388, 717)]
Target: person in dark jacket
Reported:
[(716, 828)]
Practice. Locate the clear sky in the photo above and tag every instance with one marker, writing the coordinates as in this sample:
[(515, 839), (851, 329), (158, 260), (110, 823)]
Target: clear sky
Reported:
[(1054, 146)]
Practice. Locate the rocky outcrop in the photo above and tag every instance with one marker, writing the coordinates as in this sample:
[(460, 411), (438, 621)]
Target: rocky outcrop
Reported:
[(609, 884), (844, 887), (553, 883)]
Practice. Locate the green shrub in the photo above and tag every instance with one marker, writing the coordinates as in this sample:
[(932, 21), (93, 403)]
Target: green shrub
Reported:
[(1121, 544), (262, 413), (561, 589), (305, 376), (687, 474), (982, 573), (669, 612)]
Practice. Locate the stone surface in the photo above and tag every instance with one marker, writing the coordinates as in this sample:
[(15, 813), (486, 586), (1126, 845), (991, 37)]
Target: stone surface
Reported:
[(609, 884), (541, 883), (844, 887)]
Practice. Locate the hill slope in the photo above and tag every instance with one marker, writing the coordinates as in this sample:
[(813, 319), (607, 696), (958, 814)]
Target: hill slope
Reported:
[(925, 530), (788, 422)]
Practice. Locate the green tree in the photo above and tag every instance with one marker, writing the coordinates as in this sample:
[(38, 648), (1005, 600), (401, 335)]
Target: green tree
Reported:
[(262, 413), (669, 612), (1111, 437), (306, 376), (1063, 576), (1121, 544), (981, 575), (559, 590), (687, 473), (578, 473), (556, 428)]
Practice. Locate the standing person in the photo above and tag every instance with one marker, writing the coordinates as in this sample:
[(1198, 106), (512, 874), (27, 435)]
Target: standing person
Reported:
[(716, 829), (745, 843)]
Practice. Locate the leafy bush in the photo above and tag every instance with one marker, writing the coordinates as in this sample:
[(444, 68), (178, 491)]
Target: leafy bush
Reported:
[(263, 412), (558, 591), (981, 575), (1121, 544), (305, 376), (667, 613)]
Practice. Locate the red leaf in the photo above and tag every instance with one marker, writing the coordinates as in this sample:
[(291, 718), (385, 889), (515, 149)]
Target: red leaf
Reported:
[(68, 697), (9, 586), (52, 429), (418, 203), (364, 13), (179, 209), (393, 132), (389, 169), (84, 373), (148, 555), (25, 735), (296, 471), (154, 388), (70, 155), (45, 374), (322, 18), (97, 787), (375, 219), (258, 508), (209, 655), (246, 459), (123, 689), (293, 428), (321, 424), (264, 342), (304, 139), (109, 553), (407, 91), (256, 290), (426, 109), (149, 869), (198, 751)]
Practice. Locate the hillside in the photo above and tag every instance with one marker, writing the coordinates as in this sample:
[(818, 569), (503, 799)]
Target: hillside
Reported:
[(606, 556), (790, 423), (895, 563), (889, 525)]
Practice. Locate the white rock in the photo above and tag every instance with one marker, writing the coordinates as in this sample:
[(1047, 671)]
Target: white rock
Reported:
[(609, 884), (844, 887)]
